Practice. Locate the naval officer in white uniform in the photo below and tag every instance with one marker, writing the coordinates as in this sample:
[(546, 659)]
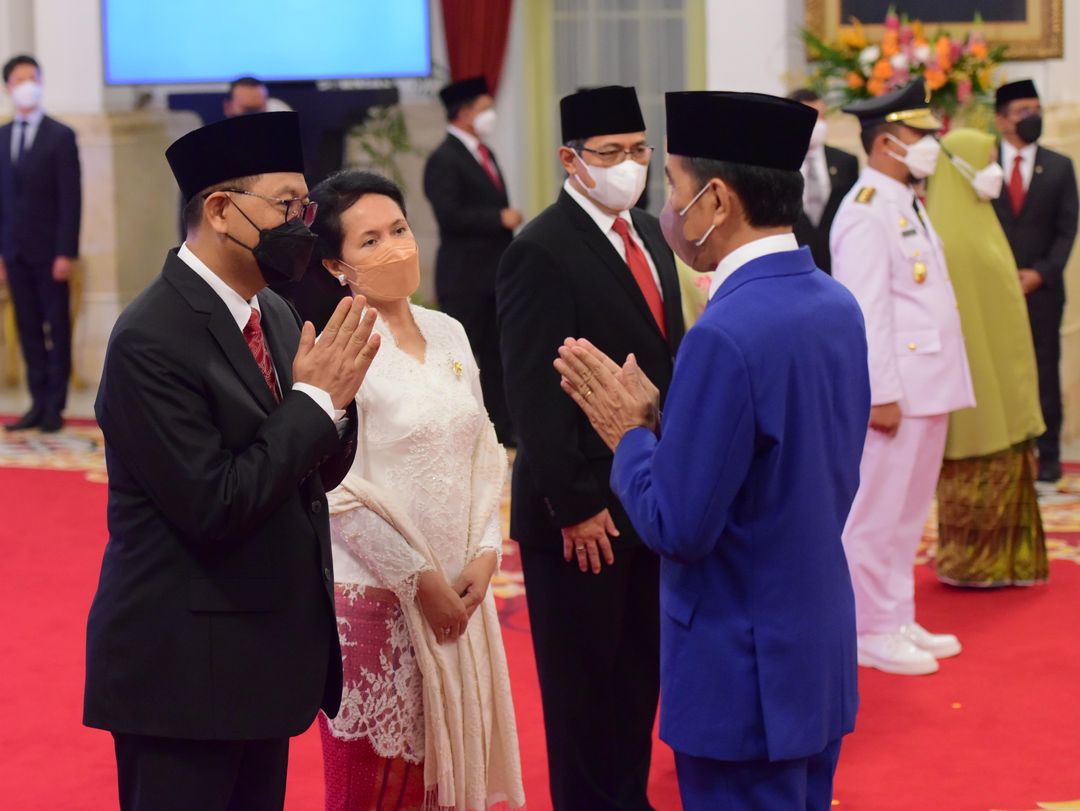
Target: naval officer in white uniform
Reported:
[(886, 252)]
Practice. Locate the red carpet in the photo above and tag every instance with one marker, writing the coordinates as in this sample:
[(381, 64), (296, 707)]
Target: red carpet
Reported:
[(997, 728)]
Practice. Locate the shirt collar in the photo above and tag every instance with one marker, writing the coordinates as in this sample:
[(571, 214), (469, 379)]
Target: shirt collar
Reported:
[(888, 186), (239, 309), (1009, 153), (778, 243), (467, 138), (33, 118)]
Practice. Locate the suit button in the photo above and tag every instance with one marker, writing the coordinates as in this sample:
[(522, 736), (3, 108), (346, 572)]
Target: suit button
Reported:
[(316, 506), (912, 347), (326, 574)]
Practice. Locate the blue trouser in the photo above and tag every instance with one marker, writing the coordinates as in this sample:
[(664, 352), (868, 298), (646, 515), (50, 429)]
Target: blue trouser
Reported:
[(803, 784)]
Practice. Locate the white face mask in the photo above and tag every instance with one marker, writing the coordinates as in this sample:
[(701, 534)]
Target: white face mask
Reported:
[(987, 182), (920, 157), (484, 123), (618, 187), (26, 95), (820, 133)]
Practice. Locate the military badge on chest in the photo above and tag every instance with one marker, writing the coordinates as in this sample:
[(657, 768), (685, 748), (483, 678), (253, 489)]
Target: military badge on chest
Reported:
[(918, 268)]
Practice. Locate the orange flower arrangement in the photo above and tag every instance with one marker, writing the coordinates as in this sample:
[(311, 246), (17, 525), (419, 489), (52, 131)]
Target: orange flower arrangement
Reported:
[(958, 72)]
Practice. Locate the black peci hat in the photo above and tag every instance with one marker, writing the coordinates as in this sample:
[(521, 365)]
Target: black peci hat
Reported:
[(908, 105), (607, 110), (464, 91), (236, 147), (747, 128), (1023, 89)]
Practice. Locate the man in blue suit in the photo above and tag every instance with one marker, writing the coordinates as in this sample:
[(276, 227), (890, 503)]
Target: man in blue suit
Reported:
[(40, 206), (744, 483)]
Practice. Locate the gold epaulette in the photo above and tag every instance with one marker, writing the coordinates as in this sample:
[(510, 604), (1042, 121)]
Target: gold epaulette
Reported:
[(866, 194)]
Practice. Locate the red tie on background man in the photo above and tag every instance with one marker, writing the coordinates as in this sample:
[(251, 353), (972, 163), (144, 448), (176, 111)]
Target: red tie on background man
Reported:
[(639, 267), (253, 334), (489, 165), (1016, 187)]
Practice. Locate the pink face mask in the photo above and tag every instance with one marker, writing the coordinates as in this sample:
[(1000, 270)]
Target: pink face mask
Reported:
[(389, 273)]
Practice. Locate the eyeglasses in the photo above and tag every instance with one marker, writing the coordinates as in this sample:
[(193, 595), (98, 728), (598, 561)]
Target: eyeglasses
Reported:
[(295, 207), (610, 157)]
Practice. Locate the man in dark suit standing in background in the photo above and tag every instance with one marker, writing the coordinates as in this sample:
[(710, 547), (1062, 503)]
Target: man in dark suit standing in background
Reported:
[(466, 189), (40, 208), (212, 636), (589, 265), (828, 175), (1039, 212)]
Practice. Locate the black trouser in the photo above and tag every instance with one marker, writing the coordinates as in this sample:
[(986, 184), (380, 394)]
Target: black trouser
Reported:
[(1045, 309), (174, 774), (43, 318), (476, 312), (597, 644)]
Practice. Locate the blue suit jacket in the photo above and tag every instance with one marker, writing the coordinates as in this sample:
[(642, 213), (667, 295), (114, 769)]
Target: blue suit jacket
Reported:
[(744, 496), (41, 198)]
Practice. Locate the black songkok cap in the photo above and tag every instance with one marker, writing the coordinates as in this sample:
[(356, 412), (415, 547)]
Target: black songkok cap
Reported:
[(1023, 89), (747, 128), (457, 93), (908, 105), (236, 147), (610, 110)]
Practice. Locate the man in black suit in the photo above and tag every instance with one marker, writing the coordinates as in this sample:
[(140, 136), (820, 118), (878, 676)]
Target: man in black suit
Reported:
[(828, 175), (588, 265), (1039, 212), (466, 189), (40, 207), (212, 636)]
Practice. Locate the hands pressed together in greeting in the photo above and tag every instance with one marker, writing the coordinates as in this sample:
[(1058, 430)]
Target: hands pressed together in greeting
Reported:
[(616, 399), (449, 607)]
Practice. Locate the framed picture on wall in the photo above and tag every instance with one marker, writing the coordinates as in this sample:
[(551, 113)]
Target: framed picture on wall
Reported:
[(1033, 29)]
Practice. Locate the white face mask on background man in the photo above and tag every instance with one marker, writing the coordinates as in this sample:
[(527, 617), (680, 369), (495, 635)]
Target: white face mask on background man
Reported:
[(26, 95), (484, 123), (618, 187), (920, 157), (987, 182)]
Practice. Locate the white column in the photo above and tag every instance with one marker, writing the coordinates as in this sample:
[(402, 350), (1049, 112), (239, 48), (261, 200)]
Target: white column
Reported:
[(67, 43), (16, 36), (753, 46)]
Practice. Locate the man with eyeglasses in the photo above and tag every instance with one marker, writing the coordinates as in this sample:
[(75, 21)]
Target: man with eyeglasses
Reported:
[(1038, 212), (212, 636), (590, 265)]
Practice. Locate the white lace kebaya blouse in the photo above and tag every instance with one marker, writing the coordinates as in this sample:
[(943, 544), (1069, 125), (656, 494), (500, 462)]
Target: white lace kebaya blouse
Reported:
[(419, 424)]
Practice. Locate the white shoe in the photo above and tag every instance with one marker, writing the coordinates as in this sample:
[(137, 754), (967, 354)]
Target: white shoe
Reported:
[(940, 646), (895, 653)]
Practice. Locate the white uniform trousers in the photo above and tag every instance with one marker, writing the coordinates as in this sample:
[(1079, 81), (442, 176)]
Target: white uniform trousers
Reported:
[(898, 477)]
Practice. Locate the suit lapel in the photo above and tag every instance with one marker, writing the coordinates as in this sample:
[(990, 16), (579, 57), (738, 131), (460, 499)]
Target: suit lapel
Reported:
[(221, 325), (470, 160), (603, 250), (669, 277), (1038, 181)]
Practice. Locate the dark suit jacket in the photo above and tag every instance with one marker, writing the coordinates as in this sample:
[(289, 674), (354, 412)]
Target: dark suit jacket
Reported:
[(1042, 235), (561, 278), (467, 206), (41, 198), (214, 614), (843, 174)]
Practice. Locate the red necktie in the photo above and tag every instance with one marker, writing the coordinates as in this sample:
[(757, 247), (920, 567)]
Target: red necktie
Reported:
[(253, 334), (1016, 187), (639, 266), (489, 165)]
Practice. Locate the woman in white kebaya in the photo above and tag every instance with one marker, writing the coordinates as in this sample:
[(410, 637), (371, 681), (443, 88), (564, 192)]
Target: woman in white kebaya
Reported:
[(426, 718)]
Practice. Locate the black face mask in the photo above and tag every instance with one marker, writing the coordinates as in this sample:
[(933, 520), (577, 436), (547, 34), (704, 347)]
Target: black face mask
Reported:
[(1029, 130), (282, 253)]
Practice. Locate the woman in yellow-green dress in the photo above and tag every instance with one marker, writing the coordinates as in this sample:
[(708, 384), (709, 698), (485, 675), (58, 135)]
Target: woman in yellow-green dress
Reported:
[(990, 531)]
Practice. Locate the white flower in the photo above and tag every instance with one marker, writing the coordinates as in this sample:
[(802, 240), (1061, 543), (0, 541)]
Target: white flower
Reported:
[(870, 54), (922, 54), (899, 62)]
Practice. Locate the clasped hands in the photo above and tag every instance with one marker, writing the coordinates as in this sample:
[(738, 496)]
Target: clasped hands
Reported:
[(339, 360), (448, 608), (616, 399)]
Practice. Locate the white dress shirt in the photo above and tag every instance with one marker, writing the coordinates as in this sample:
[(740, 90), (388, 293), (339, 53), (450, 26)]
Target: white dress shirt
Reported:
[(748, 253), (1027, 161), (240, 310), (605, 223), (33, 123), (815, 169)]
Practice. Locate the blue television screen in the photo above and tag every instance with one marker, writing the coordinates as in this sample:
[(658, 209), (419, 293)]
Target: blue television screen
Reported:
[(151, 42)]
